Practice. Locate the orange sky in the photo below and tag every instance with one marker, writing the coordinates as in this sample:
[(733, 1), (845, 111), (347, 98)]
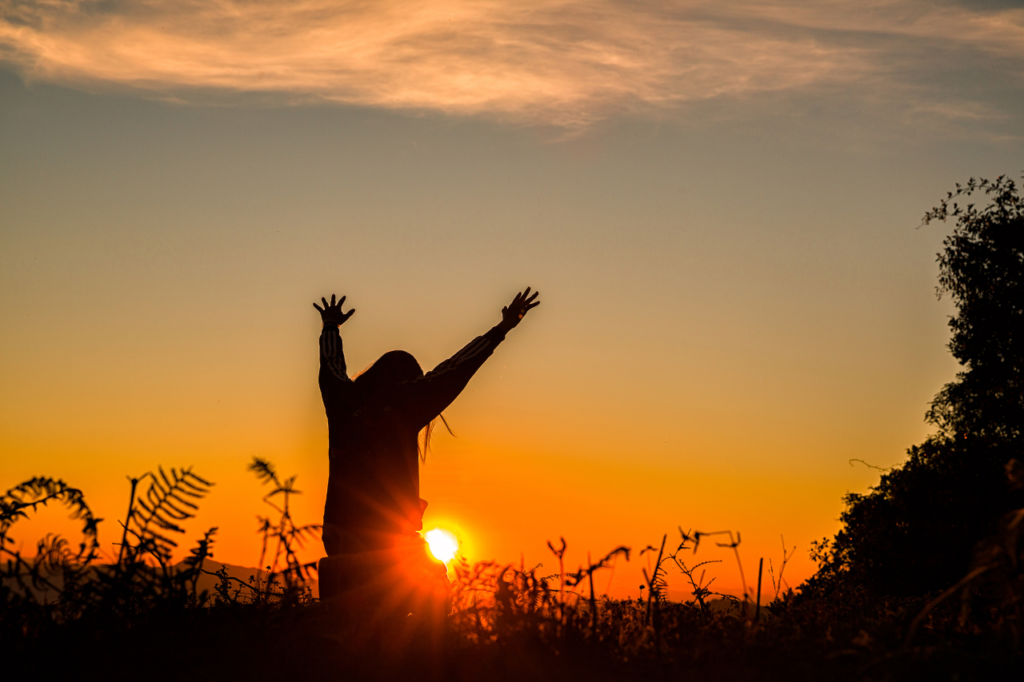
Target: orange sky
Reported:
[(718, 206)]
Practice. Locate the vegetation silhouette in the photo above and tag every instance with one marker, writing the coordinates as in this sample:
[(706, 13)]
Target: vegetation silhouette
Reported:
[(915, 532), (507, 622)]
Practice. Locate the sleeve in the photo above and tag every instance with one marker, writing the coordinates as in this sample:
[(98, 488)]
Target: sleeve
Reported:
[(335, 386), (428, 396)]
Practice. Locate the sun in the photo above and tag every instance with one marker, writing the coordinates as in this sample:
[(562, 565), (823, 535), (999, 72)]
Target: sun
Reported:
[(443, 544)]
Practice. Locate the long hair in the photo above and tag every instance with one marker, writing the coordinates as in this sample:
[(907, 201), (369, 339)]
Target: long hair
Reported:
[(391, 369), (427, 432)]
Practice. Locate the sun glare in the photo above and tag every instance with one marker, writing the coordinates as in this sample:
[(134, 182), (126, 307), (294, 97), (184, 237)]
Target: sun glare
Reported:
[(443, 544)]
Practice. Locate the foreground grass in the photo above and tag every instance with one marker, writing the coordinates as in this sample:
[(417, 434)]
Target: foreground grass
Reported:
[(64, 615), (309, 640)]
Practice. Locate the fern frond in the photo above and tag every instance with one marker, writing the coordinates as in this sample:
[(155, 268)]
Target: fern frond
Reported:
[(161, 540), (176, 498), (166, 524), (28, 496), (162, 506), (164, 477), (264, 471)]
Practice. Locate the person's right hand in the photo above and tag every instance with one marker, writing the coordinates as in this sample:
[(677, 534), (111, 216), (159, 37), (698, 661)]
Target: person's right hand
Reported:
[(331, 312), (515, 311)]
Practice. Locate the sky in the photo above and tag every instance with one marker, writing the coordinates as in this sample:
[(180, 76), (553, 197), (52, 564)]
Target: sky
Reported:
[(720, 204)]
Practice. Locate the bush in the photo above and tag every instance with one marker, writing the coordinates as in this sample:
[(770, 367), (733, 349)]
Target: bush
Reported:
[(914, 533)]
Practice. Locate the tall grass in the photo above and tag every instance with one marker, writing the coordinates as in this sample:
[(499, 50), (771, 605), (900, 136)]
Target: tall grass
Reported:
[(64, 612)]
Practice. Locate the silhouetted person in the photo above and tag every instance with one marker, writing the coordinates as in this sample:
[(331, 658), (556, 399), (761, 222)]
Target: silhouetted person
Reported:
[(373, 507)]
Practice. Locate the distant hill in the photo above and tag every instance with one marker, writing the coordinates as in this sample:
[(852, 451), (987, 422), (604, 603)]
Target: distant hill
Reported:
[(206, 581)]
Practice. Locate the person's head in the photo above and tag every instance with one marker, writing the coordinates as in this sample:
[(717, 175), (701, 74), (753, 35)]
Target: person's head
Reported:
[(391, 369)]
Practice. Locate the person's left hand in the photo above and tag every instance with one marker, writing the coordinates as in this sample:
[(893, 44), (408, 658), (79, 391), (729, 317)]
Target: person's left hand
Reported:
[(331, 312)]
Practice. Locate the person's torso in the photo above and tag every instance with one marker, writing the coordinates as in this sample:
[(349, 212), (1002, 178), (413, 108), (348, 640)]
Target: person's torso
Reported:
[(374, 470)]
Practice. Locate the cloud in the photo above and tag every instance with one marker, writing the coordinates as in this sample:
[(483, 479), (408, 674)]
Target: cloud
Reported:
[(564, 63)]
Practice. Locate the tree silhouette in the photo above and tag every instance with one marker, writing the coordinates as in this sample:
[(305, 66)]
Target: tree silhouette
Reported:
[(915, 531)]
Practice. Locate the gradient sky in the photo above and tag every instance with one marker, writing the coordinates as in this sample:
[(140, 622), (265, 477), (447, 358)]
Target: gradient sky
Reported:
[(718, 202)]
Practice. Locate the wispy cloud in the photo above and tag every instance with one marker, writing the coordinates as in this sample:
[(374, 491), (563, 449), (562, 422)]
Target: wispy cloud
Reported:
[(564, 63)]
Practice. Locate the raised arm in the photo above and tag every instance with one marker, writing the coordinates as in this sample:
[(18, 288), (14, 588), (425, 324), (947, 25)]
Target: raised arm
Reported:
[(428, 396), (335, 385)]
